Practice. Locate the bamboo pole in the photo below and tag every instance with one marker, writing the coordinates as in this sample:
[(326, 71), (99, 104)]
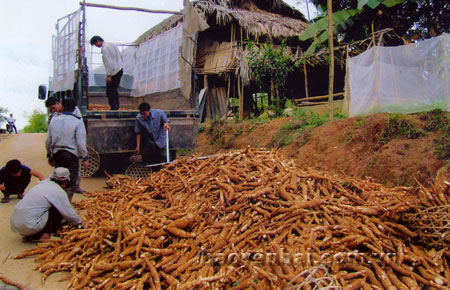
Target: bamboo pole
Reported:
[(347, 85), (228, 93), (306, 80), (312, 104), (377, 70), (319, 97), (394, 75), (241, 87), (130, 8), (331, 74), (241, 99)]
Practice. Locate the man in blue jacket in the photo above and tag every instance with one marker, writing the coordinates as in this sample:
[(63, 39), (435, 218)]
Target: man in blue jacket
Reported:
[(14, 179), (149, 127)]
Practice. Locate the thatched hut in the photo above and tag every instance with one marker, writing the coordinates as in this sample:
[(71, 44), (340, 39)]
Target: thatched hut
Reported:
[(212, 60)]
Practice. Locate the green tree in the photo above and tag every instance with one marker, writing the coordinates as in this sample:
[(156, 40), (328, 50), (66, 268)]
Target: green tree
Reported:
[(3, 115), (355, 19), (37, 122), (269, 68)]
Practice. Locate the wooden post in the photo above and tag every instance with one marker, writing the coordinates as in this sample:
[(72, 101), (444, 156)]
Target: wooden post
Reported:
[(228, 93), (205, 82), (331, 50), (394, 75), (241, 99), (306, 80), (241, 86), (347, 87)]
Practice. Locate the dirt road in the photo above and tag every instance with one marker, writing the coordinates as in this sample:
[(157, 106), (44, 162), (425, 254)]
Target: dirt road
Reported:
[(30, 150)]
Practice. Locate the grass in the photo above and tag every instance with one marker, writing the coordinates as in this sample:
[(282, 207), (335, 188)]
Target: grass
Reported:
[(436, 120), (301, 121), (442, 144), (399, 127)]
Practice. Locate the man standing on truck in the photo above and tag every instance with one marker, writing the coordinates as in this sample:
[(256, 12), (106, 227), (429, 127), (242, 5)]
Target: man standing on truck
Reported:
[(66, 143), (149, 127), (112, 59)]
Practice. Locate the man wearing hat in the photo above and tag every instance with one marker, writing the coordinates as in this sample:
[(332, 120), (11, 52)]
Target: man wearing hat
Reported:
[(43, 208)]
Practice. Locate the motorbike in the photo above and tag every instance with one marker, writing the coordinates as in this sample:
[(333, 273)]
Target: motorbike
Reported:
[(10, 127)]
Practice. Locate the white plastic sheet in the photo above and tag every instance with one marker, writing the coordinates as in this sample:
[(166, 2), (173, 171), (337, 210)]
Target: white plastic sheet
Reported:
[(65, 45), (404, 79), (157, 68)]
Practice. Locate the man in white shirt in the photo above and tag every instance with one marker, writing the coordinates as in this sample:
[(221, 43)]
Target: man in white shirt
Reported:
[(42, 209), (112, 59)]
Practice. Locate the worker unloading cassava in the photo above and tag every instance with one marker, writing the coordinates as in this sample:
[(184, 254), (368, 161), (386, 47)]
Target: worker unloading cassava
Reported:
[(14, 179), (42, 209), (149, 127)]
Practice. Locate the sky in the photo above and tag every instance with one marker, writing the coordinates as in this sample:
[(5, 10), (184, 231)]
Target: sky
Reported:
[(26, 33)]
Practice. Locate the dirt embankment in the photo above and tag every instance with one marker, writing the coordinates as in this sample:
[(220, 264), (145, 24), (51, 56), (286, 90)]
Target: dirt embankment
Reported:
[(354, 146)]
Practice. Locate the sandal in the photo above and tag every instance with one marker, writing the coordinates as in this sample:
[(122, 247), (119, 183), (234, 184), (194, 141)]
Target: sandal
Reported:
[(5, 199)]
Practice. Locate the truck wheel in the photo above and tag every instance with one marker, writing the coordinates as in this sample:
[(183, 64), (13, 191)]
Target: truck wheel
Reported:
[(94, 164)]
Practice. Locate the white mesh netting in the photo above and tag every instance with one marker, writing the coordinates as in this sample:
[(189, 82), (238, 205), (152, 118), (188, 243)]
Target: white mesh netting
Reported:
[(157, 67), (65, 45), (404, 79)]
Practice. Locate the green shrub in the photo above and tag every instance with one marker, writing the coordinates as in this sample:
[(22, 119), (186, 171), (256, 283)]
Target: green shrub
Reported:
[(436, 120), (398, 127), (442, 144), (201, 128), (301, 121)]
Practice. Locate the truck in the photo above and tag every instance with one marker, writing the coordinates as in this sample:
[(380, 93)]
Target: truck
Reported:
[(155, 72)]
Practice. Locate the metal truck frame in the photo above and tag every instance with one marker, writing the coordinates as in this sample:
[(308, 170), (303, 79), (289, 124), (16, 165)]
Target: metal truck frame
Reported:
[(110, 132)]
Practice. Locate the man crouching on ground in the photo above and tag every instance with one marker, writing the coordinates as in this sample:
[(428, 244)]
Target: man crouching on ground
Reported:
[(42, 209)]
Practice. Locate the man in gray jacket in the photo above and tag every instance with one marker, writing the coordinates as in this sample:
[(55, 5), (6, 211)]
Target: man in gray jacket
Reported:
[(42, 209), (66, 143)]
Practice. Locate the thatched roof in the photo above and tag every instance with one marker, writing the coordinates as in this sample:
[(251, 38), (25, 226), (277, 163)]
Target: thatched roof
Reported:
[(257, 21), (272, 18), (274, 6)]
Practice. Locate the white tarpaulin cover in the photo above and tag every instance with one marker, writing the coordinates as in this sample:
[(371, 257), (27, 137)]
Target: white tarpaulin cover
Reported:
[(404, 79), (65, 45), (157, 68)]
